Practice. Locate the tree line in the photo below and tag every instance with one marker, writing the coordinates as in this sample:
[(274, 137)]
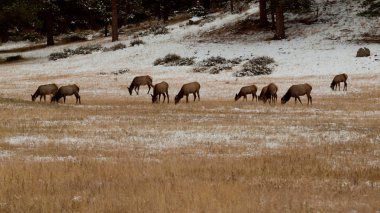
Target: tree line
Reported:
[(53, 17)]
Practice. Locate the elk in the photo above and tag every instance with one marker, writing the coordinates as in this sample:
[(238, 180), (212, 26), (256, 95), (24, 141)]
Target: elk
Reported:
[(269, 92), (66, 91), (140, 81), (244, 91), (43, 90), (296, 91), (336, 81), (158, 90), (186, 89)]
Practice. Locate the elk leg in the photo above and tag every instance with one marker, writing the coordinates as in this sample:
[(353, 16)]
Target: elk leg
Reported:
[(64, 99), (299, 100), (295, 100), (45, 98), (77, 97), (309, 99), (199, 97), (148, 89), (163, 94), (345, 86), (245, 97), (187, 98), (167, 94), (339, 86), (40, 98), (195, 95)]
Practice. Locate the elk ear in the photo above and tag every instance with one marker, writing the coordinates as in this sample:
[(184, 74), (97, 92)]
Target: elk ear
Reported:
[(151, 95)]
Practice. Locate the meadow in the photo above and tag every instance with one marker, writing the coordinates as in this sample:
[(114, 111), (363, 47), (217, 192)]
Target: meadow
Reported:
[(114, 154)]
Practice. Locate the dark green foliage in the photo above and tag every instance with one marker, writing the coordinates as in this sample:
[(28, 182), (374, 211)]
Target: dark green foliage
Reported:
[(13, 58), (372, 8), (137, 42), (174, 60), (82, 50), (115, 47), (256, 66)]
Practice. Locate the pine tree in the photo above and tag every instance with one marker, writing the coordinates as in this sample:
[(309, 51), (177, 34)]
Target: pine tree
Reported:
[(372, 8)]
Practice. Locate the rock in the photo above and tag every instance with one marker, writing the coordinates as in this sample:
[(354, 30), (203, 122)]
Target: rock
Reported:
[(363, 52)]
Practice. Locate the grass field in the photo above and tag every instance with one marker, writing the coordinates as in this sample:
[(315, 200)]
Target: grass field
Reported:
[(116, 154)]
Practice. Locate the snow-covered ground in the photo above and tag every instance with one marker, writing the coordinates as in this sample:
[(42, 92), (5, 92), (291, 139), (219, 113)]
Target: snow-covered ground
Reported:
[(312, 53)]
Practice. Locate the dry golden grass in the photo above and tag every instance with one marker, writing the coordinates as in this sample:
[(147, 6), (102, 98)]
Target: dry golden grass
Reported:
[(116, 155)]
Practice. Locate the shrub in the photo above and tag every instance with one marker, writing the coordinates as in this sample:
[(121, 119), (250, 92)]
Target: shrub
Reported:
[(73, 38), (115, 47), (13, 58), (137, 42), (174, 60), (121, 72), (82, 50), (256, 66)]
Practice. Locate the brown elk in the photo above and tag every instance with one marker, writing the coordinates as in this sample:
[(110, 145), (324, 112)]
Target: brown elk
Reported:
[(66, 91), (158, 89), (140, 81), (336, 81), (269, 92), (296, 91), (244, 91), (43, 90), (186, 89)]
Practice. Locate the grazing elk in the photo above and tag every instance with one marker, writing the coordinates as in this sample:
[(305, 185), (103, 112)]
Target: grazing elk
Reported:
[(43, 90), (186, 89), (336, 81), (66, 91), (244, 91), (269, 92), (296, 91), (140, 81), (158, 89)]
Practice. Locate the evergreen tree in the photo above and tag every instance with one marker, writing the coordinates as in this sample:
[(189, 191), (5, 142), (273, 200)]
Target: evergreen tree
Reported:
[(372, 8)]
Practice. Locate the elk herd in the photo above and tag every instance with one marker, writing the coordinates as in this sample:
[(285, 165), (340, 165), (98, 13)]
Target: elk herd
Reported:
[(268, 93)]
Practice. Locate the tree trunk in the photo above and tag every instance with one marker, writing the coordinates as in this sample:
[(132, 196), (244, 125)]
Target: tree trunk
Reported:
[(273, 19), (49, 27), (232, 6), (115, 34), (263, 13), (280, 25), (105, 30), (165, 12)]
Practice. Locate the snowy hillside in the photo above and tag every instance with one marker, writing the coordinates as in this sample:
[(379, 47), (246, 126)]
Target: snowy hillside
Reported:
[(325, 48)]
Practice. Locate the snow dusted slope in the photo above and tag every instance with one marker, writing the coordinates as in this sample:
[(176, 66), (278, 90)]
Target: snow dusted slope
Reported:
[(320, 50)]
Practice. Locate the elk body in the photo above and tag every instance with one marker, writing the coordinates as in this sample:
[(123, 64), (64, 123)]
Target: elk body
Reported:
[(296, 91), (158, 90), (269, 93), (186, 89), (140, 81), (247, 90), (67, 91), (336, 81), (43, 90)]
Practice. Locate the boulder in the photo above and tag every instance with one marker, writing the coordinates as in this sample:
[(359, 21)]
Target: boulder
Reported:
[(363, 52)]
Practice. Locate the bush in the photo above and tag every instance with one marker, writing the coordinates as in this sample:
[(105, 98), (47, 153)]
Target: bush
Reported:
[(115, 47), (121, 72), (215, 65), (137, 42), (256, 66), (82, 50), (13, 58), (73, 38), (174, 60)]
